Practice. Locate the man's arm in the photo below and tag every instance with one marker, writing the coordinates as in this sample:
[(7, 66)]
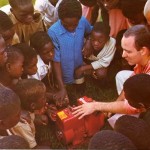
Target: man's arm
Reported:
[(113, 107)]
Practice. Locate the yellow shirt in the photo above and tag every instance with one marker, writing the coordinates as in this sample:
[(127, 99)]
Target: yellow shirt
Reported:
[(24, 31)]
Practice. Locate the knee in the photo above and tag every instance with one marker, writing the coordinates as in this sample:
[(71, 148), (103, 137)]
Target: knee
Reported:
[(101, 73)]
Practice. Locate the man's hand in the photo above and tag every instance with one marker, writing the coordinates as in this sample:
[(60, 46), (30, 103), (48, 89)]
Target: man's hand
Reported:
[(84, 109)]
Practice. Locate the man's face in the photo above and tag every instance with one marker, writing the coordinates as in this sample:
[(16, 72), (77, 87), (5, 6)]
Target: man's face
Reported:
[(130, 53)]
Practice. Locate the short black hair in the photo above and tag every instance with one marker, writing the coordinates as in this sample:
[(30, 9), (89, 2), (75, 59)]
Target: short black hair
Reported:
[(5, 23), (19, 3), (29, 91), (39, 39), (28, 52), (9, 103), (110, 140), (13, 142), (131, 8), (137, 90), (101, 28), (12, 54), (141, 35), (69, 9), (137, 130)]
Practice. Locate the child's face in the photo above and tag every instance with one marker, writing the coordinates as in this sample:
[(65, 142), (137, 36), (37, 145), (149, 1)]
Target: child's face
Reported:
[(47, 52), (41, 101), (70, 24), (24, 14), (31, 69), (15, 69), (8, 36), (98, 40), (3, 53)]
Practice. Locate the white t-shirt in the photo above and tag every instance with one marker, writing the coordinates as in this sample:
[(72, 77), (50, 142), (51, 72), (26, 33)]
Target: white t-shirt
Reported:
[(105, 56), (49, 12), (42, 69)]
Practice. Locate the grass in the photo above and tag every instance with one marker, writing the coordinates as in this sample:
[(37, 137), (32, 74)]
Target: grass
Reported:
[(3, 2)]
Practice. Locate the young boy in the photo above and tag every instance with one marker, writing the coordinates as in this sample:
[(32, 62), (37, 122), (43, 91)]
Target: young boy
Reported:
[(3, 53), (67, 35), (49, 10), (30, 60), (25, 20), (9, 108), (13, 68), (104, 50), (42, 43), (32, 94), (7, 29)]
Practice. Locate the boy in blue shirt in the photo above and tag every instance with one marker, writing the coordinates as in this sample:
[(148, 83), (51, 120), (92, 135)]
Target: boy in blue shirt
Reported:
[(68, 35)]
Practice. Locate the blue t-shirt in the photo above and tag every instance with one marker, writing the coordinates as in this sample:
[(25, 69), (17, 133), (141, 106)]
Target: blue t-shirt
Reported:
[(68, 47)]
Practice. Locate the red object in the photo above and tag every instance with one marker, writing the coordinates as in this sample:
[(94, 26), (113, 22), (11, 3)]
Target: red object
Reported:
[(71, 130)]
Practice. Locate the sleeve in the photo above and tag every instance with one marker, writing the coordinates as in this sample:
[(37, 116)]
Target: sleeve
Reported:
[(25, 131), (106, 57), (56, 45), (88, 26)]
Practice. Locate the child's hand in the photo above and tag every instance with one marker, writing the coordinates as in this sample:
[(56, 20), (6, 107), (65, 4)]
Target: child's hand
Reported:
[(41, 119), (60, 95), (79, 72)]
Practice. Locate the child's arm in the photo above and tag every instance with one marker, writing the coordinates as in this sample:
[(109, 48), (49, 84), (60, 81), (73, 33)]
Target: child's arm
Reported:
[(81, 70), (58, 74)]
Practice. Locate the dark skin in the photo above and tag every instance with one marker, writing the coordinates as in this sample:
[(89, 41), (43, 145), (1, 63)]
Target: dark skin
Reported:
[(3, 53), (24, 14), (53, 2), (98, 41), (10, 73), (8, 35)]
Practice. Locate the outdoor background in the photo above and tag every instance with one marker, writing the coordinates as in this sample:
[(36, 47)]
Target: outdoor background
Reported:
[(99, 91)]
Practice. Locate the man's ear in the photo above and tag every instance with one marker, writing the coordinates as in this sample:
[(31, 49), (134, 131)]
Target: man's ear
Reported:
[(144, 51)]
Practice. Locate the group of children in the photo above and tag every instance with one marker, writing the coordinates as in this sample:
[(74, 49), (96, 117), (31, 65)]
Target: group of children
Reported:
[(43, 48)]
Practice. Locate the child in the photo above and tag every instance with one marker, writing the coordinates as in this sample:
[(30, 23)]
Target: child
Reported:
[(137, 130), (7, 29), (67, 35), (42, 43), (9, 108), (32, 94), (104, 50), (26, 21), (3, 53), (110, 140), (13, 69), (13, 142), (30, 60), (49, 10)]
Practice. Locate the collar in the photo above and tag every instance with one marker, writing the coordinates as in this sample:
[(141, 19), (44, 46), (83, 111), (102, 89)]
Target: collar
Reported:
[(62, 30)]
